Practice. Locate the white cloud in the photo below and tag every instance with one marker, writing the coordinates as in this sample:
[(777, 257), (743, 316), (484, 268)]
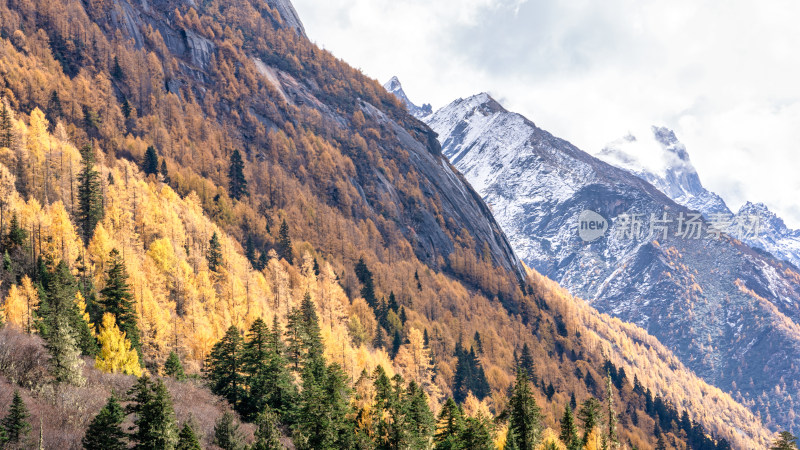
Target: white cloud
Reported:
[(722, 74)]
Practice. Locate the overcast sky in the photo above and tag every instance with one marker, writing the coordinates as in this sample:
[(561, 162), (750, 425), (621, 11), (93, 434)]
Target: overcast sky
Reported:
[(722, 74)]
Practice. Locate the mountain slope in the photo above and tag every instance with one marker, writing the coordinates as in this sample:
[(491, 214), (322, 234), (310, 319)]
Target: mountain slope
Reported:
[(729, 313), (660, 159), (339, 176)]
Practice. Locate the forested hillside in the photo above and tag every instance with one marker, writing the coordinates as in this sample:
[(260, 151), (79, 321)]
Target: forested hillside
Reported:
[(206, 193)]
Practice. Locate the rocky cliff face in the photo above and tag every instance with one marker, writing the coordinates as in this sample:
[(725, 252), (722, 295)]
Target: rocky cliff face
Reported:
[(728, 312)]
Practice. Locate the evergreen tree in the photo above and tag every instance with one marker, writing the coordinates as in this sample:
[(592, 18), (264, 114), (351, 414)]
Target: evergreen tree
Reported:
[(661, 444), (285, 250), (227, 434), (610, 437), (367, 285), (155, 424), (265, 372), (569, 432), (785, 441), (17, 235), (150, 163), (478, 342), (116, 298), (54, 108), (525, 415), (90, 202), (477, 434), (57, 307), (187, 438), (105, 431), (15, 424), (469, 376), (526, 362), (224, 367), (173, 367), (323, 407), (450, 425), (250, 250), (416, 278), (589, 415), (419, 417), (267, 435), (6, 129), (66, 364), (237, 183), (214, 253), (164, 171), (573, 404)]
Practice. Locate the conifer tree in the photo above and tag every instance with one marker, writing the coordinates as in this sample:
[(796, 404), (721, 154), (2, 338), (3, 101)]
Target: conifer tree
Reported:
[(525, 415), (265, 371), (164, 171), (173, 367), (105, 430), (224, 367), (150, 163), (569, 432), (478, 433), (227, 434), (6, 129), (15, 424), (589, 415), (90, 202), (17, 235), (58, 306), (116, 354), (267, 435), (610, 437), (250, 250), (187, 438), (478, 342), (237, 183), (450, 425), (419, 417), (324, 407), (526, 362), (285, 250), (469, 376), (155, 419), (214, 253), (66, 364), (116, 298), (785, 441)]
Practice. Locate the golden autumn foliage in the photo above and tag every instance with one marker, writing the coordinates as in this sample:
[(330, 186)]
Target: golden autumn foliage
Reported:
[(116, 354)]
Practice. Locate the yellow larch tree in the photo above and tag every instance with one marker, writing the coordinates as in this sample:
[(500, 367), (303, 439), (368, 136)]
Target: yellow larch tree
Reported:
[(413, 360), (116, 354)]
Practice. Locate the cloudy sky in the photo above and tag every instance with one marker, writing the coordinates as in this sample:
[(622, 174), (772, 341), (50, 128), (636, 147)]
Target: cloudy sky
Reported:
[(723, 74)]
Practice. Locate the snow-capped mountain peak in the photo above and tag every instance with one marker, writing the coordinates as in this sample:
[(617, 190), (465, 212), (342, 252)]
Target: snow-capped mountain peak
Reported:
[(393, 86)]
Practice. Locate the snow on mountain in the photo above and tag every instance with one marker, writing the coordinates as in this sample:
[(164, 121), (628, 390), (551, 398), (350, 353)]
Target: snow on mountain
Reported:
[(658, 157), (394, 87), (728, 312)]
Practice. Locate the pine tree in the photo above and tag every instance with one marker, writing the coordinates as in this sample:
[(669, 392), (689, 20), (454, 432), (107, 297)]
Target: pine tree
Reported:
[(285, 250), (526, 362), (569, 432), (224, 367), (155, 419), (105, 430), (173, 367), (267, 435), (785, 441), (449, 427), (90, 202), (15, 424), (419, 417), (150, 163), (610, 437), (478, 342), (164, 171), (66, 364), (367, 284), (214, 253), (17, 235), (227, 434), (58, 301), (469, 376), (589, 415), (477, 433), (116, 298), (265, 371), (237, 183), (6, 129), (250, 250), (324, 407), (187, 438), (525, 415)]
